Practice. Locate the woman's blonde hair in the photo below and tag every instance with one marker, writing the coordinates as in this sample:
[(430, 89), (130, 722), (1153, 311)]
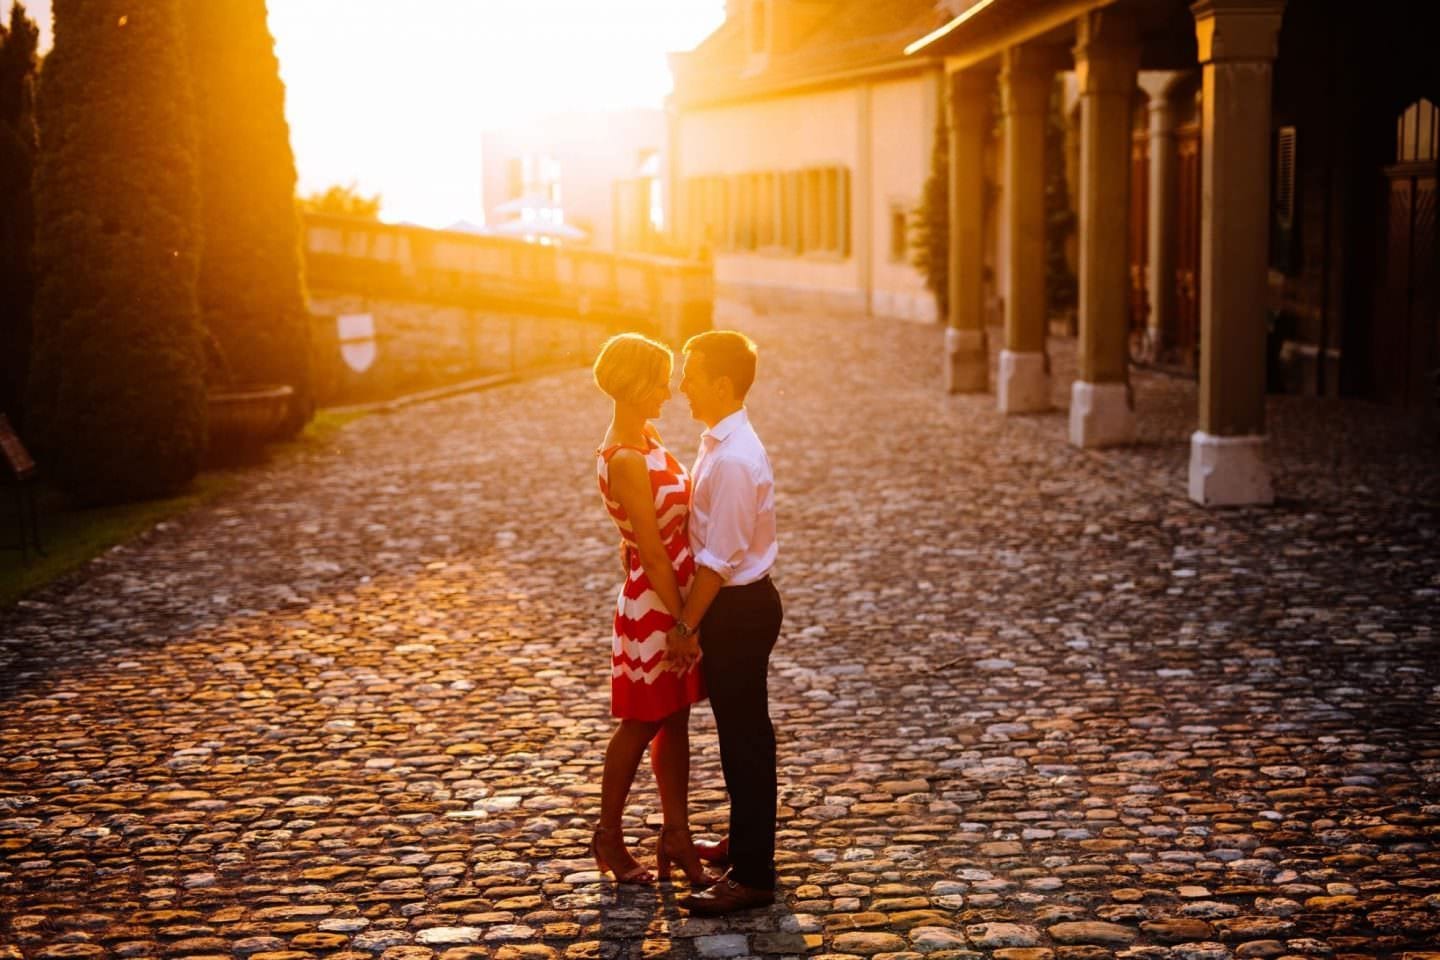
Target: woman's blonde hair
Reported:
[(631, 365)]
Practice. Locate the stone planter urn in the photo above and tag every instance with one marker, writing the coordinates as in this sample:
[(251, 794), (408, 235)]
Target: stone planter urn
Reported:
[(244, 417)]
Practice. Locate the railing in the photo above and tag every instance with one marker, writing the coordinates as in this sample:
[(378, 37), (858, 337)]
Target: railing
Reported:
[(670, 298)]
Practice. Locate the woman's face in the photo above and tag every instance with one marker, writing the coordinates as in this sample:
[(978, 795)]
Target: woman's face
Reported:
[(655, 399)]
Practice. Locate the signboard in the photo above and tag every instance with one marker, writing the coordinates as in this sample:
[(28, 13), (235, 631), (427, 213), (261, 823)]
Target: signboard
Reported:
[(16, 456), (357, 340)]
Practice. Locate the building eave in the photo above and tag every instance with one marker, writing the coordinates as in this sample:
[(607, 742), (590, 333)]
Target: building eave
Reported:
[(800, 85), (989, 26)]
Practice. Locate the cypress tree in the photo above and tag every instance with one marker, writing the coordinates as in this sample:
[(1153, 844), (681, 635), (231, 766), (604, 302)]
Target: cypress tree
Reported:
[(930, 228), (251, 289), (117, 388), (18, 43)]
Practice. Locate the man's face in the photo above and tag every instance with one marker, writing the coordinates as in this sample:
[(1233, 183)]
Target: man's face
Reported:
[(702, 392)]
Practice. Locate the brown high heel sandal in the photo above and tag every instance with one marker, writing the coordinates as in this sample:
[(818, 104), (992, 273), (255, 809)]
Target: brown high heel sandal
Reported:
[(717, 853), (636, 874), (675, 846)]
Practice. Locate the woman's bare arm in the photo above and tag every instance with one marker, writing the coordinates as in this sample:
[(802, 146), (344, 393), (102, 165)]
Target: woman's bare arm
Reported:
[(630, 485)]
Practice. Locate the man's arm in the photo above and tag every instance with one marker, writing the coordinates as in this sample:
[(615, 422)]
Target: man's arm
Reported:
[(732, 514)]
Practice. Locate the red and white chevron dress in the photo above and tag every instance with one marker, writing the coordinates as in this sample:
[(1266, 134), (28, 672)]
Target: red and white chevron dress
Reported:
[(642, 686)]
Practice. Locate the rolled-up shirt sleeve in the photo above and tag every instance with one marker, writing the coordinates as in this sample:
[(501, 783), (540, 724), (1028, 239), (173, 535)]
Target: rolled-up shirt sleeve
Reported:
[(731, 507)]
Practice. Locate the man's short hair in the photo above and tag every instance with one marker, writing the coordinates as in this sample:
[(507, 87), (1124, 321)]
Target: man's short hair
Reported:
[(726, 353)]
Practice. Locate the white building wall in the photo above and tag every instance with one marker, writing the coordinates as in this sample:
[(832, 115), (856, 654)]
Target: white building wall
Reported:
[(903, 116), (882, 133), (780, 134)]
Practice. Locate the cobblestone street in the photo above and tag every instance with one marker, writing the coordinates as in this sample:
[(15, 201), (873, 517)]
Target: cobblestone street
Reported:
[(1032, 703)]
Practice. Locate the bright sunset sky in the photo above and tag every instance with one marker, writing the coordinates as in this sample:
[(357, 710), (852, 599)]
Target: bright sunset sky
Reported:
[(394, 96)]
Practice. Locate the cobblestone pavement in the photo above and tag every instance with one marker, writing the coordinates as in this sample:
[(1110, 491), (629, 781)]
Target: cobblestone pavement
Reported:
[(1032, 703)]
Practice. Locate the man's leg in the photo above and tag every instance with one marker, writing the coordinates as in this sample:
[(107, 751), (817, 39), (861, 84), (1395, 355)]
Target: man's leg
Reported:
[(737, 635)]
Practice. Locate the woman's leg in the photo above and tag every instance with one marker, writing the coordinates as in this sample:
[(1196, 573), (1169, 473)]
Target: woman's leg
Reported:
[(622, 758), (670, 759)]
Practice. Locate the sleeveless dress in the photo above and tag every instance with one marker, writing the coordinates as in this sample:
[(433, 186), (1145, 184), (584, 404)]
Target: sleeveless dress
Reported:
[(642, 686)]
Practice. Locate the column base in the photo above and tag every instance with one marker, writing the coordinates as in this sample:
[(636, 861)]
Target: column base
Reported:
[(967, 361), (1024, 385), (1101, 414), (1229, 471)]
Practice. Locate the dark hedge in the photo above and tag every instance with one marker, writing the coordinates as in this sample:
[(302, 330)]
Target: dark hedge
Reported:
[(117, 387), (250, 287), (18, 42)]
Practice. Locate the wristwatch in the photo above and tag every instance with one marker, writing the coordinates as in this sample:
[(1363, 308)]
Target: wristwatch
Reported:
[(682, 628)]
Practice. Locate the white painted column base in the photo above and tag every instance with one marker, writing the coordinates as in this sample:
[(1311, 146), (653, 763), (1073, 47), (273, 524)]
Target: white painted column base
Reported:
[(1229, 471), (1101, 415), (1024, 385), (967, 361)]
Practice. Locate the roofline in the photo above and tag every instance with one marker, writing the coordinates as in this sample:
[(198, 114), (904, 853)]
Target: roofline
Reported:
[(945, 30), (801, 85)]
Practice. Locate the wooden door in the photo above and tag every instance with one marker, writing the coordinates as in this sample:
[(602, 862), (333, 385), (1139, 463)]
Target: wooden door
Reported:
[(1405, 333), (1185, 350)]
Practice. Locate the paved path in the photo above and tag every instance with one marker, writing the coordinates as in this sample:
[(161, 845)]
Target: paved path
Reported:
[(1031, 702)]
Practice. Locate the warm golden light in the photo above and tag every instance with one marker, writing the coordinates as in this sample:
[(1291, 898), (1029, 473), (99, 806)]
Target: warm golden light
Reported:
[(394, 97)]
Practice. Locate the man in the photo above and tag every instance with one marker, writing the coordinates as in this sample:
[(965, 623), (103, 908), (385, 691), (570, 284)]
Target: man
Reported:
[(735, 609)]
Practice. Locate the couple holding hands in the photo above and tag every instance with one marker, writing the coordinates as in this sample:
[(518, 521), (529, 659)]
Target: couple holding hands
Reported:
[(697, 615)]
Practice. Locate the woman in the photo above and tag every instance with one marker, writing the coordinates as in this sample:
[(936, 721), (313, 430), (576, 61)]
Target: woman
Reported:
[(654, 678)]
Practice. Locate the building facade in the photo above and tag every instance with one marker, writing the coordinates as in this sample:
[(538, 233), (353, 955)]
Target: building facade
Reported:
[(558, 176), (801, 138)]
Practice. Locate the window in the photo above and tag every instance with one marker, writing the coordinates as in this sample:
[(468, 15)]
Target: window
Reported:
[(899, 232), (1284, 237), (1417, 134), (796, 211), (514, 178), (1285, 177), (706, 223)]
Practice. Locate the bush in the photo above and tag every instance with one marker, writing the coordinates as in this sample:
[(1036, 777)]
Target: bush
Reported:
[(250, 285), (930, 227), (117, 388)]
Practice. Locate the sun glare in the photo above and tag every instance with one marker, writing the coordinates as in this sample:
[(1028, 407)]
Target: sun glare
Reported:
[(395, 97)]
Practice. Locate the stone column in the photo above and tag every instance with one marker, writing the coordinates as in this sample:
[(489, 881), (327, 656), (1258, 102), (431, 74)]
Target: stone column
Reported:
[(1026, 78), (1107, 57), (1237, 45), (967, 358), (1160, 268)]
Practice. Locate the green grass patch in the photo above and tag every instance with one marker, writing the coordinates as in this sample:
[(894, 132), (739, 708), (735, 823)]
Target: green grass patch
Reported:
[(72, 536)]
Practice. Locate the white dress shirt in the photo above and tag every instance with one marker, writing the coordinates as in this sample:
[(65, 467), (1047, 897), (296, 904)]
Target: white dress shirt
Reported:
[(732, 503)]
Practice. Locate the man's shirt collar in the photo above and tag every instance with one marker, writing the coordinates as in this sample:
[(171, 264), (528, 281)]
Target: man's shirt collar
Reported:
[(722, 430)]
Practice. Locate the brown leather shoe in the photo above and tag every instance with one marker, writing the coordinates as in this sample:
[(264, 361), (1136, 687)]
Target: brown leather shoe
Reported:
[(726, 896)]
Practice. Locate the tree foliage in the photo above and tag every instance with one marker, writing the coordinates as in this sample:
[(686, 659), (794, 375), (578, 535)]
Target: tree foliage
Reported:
[(251, 290), (930, 226), (345, 201), (117, 391), (19, 41)]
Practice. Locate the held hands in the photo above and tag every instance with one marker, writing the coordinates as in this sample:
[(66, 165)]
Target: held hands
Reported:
[(682, 653)]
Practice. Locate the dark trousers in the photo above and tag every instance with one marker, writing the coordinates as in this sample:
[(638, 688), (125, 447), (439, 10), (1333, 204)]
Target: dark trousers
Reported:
[(736, 637)]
